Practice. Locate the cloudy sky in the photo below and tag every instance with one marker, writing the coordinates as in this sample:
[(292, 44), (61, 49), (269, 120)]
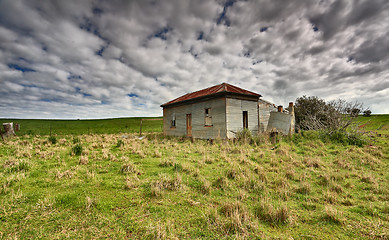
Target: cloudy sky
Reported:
[(121, 58)]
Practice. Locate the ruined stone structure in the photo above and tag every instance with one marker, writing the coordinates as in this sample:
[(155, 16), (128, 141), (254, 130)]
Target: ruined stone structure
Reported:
[(8, 130), (220, 112)]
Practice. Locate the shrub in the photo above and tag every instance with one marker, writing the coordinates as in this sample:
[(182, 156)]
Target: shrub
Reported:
[(244, 136), (77, 149), (52, 139), (367, 113), (119, 143), (313, 113), (76, 140), (344, 137)]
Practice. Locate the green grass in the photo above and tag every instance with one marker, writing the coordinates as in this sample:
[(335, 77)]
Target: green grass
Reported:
[(79, 127), (123, 187), (376, 123)]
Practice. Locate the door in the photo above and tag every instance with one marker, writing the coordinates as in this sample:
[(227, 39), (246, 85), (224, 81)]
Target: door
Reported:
[(189, 125), (245, 120)]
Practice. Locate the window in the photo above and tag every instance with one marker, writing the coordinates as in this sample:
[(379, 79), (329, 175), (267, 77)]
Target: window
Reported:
[(173, 123), (208, 117)]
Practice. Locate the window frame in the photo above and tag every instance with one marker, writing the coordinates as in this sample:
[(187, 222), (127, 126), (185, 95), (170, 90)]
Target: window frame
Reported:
[(208, 117)]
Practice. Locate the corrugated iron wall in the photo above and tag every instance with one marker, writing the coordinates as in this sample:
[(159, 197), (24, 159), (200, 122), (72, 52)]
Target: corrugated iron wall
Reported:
[(234, 110), (199, 129)]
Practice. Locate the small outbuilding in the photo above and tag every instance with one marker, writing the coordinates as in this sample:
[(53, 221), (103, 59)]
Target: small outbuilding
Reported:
[(218, 112)]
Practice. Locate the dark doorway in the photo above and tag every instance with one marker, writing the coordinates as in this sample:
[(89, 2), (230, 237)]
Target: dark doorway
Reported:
[(245, 119)]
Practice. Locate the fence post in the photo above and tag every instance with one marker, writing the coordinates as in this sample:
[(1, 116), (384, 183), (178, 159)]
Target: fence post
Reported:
[(140, 128)]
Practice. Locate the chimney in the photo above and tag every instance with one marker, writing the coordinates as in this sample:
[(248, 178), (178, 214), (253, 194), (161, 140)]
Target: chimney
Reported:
[(280, 108), (291, 107)]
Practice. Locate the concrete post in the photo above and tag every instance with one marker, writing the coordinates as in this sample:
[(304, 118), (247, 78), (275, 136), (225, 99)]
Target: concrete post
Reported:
[(292, 119)]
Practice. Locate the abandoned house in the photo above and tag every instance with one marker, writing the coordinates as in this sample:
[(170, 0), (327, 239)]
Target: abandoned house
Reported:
[(221, 111)]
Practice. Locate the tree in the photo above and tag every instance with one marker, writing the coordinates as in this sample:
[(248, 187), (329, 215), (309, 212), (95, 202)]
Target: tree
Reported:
[(313, 113), (367, 113)]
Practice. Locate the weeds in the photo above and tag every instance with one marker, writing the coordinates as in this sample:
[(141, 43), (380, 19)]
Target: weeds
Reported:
[(165, 183), (332, 215), (266, 212), (128, 167), (52, 140), (77, 149)]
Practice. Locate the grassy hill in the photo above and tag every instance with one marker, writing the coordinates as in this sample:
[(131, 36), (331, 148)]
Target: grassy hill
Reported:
[(377, 123), (122, 187), (78, 127)]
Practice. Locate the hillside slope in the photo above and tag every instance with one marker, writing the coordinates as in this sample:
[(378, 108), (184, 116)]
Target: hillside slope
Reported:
[(123, 187)]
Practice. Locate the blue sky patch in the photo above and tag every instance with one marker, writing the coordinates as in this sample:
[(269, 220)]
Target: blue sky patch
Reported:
[(162, 33), (223, 18), (20, 68), (201, 35), (132, 95)]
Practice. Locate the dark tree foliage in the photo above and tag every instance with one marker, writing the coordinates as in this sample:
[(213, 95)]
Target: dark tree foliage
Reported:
[(313, 113), (367, 113)]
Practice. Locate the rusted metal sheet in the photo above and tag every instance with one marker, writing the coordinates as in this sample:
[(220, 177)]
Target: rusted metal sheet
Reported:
[(221, 88)]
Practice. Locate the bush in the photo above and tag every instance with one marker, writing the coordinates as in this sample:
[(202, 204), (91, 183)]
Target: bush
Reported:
[(53, 139), (244, 136), (119, 143), (76, 140), (344, 137), (367, 113), (313, 113), (77, 149)]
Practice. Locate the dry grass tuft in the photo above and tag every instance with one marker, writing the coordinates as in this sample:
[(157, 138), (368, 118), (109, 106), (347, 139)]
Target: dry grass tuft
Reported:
[(83, 160), (205, 186), (238, 217), (312, 162), (343, 163), (368, 179), (128, 167), (221, 183), (166, 162), (90, 203), (165, 182), (131, 182), (304, 188), (330, 197), (65, 174), (265, 211), (331, 214)]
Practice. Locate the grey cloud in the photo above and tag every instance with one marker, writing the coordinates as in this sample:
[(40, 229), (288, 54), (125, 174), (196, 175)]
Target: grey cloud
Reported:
[(373, 50), (83, 54)]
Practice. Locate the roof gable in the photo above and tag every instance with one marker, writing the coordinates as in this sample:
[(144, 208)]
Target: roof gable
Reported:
[(218, 89)]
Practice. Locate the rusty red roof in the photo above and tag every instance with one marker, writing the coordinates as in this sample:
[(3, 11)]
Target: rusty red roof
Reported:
[(221, 88)]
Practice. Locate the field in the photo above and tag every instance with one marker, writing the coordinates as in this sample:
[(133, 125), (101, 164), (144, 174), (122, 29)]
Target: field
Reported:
[(78, 127), (91, 184)]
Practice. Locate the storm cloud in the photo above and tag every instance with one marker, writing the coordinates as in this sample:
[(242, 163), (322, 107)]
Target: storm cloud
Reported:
[(103, 59)]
